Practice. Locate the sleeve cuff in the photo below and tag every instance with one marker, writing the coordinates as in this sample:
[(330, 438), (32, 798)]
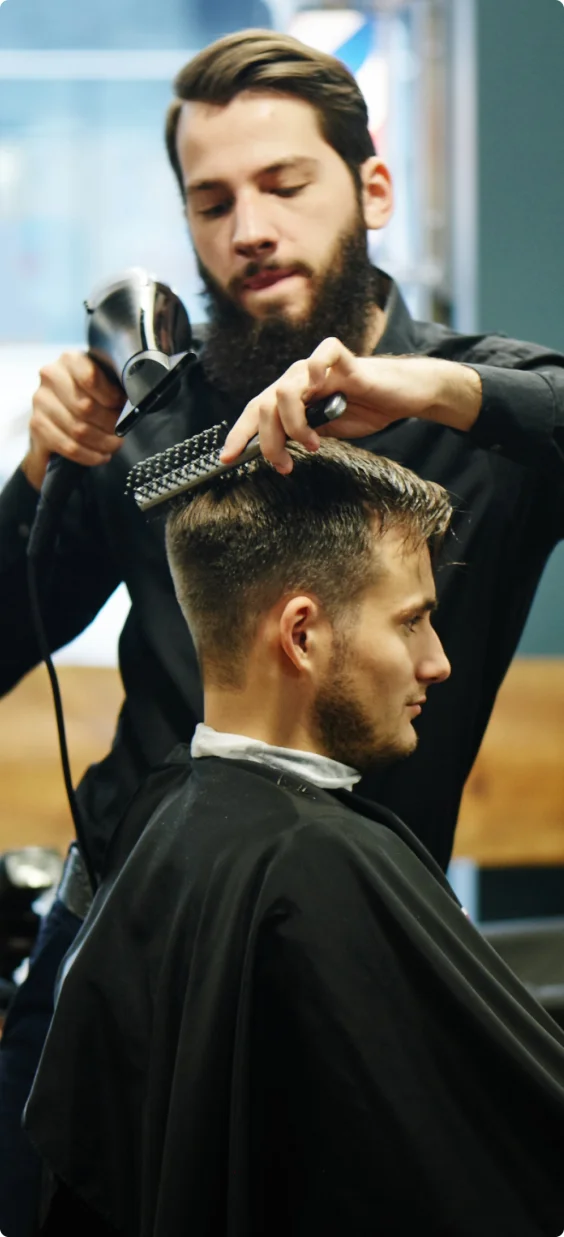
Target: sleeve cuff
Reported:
[(517, 416)]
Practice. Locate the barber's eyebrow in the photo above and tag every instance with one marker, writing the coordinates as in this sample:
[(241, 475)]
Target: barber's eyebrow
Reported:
[(297, 164)]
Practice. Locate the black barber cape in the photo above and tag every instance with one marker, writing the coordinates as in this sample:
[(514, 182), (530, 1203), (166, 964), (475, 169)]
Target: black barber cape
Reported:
[(279, 1022)]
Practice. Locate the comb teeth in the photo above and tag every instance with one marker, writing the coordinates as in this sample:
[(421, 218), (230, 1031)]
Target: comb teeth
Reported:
[(180, 468), (196, 460)]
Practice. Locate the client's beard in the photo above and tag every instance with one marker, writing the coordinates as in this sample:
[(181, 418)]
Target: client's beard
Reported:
[(242, 355), (349, 734), (348, 731)]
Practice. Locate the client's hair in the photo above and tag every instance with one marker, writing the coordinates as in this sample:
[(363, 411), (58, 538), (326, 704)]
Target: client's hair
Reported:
[(247, 539), (263, 60)]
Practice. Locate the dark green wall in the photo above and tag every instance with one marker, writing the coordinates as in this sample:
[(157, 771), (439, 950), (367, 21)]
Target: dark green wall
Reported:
[(520, 64)]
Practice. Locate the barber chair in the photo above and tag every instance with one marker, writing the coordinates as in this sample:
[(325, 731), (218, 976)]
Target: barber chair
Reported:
[(534, 949), (25, 876)]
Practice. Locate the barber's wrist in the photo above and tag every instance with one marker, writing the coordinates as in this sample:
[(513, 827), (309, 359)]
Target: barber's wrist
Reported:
[(458, 398), (34, 466)]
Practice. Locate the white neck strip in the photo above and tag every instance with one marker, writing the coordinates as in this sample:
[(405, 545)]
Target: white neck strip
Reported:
[(320, 770)]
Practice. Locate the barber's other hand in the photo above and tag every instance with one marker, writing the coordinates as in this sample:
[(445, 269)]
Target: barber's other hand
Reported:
[(75, 409), (378, 390)]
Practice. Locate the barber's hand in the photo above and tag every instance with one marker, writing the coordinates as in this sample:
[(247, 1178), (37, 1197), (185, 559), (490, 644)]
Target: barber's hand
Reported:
[(75, 409), (378, 390)]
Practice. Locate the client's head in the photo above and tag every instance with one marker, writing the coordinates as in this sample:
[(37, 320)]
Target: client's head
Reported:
[(309, 598)]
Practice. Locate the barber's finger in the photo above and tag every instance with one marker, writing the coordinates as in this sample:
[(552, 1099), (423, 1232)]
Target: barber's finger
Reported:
[(103, 419), (280, 413), (57, 442), (59, 381), (270, 407), (75, 378), (273, 437), (66, 398), (290, 412), (48, 411), (329, 353), (244, 429), (92, 379)]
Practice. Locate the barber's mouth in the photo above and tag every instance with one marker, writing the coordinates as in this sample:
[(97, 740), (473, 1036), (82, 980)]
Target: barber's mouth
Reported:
[(266, 279), (417, 706)]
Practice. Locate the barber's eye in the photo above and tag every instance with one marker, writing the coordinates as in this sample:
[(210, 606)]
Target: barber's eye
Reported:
[(214, 212), (412, 623)]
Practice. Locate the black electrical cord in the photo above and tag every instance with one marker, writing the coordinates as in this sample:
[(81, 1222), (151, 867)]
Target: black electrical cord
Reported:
[(45, 651), (61, 477)]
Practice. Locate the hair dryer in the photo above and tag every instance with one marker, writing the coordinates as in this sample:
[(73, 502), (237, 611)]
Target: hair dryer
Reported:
[(139, 333)]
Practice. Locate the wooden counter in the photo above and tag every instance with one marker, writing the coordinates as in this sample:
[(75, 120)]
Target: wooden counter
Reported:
[(33, 803), (513, 809)]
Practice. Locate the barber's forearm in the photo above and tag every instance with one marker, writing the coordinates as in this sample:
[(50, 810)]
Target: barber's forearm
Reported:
[(18, 504), (458, 398), (522, 414), (18, 645)]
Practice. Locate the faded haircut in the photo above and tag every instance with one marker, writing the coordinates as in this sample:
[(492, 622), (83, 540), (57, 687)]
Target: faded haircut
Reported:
[(263, 60), (253, 536)]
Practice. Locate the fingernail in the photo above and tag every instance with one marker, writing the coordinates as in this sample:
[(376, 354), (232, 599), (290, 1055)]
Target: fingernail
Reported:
[(313, 442)]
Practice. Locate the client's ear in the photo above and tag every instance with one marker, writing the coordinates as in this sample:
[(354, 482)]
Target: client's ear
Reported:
[(305, 634)]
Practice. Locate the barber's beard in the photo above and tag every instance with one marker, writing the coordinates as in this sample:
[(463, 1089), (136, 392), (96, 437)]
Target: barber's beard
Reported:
[(243, 355)]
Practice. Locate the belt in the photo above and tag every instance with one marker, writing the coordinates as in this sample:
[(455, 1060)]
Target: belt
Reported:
[(75, 890)]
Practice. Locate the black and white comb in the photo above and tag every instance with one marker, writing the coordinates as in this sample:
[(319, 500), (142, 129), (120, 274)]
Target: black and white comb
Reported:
[(196, 461)]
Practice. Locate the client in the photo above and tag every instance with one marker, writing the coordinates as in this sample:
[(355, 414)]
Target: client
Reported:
[(277, 1020)]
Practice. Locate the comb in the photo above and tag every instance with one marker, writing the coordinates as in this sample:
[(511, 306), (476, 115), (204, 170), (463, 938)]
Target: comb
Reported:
[(196, 461)]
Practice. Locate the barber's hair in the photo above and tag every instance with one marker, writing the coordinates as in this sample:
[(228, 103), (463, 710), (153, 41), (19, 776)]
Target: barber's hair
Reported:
[(247, 540), (262, 60)]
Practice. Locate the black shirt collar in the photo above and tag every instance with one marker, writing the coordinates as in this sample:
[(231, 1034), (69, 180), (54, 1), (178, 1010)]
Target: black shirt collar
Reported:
[(398, 337)]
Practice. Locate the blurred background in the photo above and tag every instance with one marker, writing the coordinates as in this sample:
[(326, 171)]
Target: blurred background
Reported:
[(466, 101)]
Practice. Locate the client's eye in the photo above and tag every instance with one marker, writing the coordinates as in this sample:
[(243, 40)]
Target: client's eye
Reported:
[(289, 191), (412, 623)]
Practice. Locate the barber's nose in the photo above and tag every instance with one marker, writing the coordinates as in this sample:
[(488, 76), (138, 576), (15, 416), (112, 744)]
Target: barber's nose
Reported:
[(253, 233), (434, 666)]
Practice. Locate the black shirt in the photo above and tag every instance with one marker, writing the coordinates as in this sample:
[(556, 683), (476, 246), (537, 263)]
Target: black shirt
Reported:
[(506, 478)]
